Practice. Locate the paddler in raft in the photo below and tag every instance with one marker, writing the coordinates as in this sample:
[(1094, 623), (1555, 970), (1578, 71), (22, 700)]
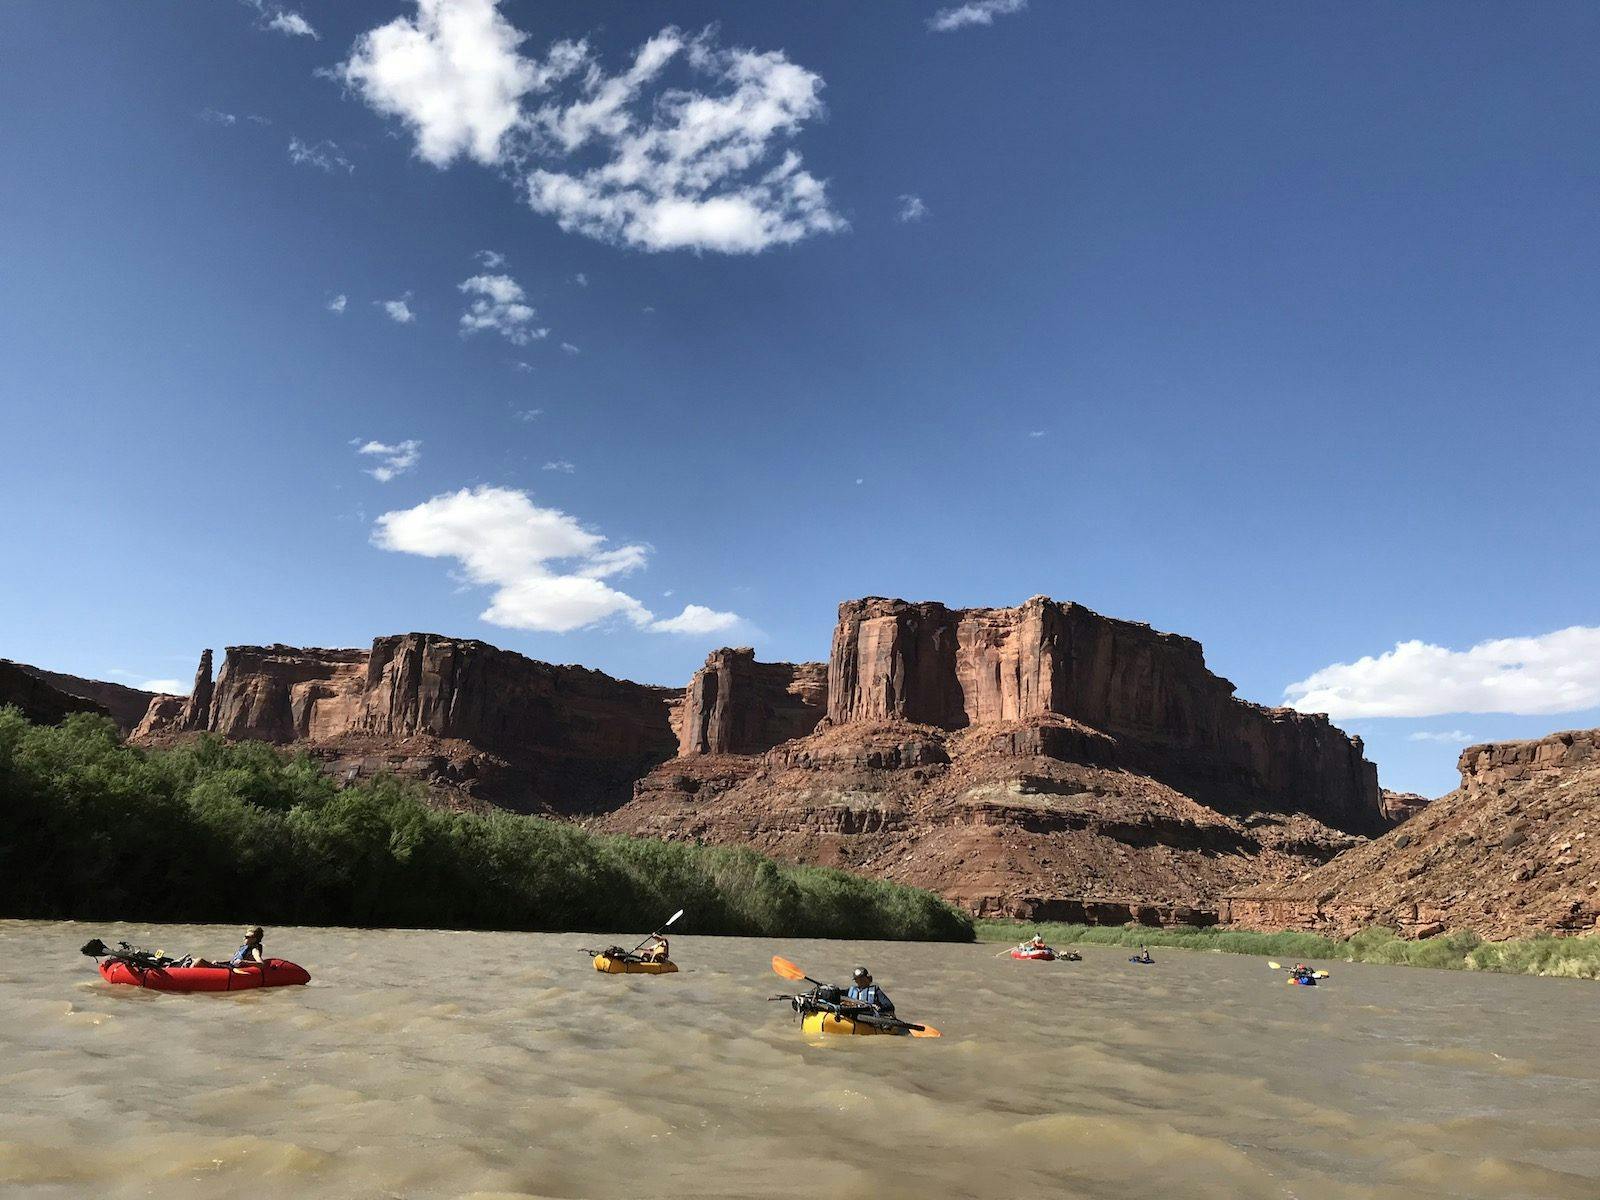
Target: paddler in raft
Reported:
[(1033, 945), (248, 955), (1143, 956), (867, 994), (657, 952)]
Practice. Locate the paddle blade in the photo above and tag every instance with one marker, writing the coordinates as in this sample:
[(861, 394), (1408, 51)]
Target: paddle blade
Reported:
[(1320, 974), (673, 918), (1275, 966), (925, 1031), (786, 969)]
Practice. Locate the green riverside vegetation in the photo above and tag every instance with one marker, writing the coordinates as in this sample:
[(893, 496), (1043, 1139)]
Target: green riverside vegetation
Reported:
[(1569, 957), (94, 829)]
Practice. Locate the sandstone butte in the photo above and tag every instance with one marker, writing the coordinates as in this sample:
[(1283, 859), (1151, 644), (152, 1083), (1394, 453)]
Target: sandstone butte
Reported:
[(1036, 761)]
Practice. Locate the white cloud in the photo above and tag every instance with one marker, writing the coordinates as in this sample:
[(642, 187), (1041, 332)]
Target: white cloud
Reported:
[(291, 23), (282, 20), (338, 303), (546, 570), (975, 12), (570, 348), (911, 208), (622, 157), (165, 687), (1455, 737), (324, 155), (529, 414), (392, 460), (696, 618), (1551, 673), (453, 74), (499, 304), (1036, 433), (213, 116), (492, 260), (560, 464), (581, 279), (399, 310), (523, 367)]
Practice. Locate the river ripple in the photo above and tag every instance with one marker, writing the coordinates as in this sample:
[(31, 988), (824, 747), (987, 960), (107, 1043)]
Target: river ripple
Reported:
[(425, 1064)]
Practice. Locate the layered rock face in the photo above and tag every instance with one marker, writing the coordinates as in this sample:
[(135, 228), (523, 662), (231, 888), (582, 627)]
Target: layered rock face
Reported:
[(462, 714), (1032, 761), (931, 665), (123, 704), (1402, 806), (1515, 848), (41, 702), (735, 705)]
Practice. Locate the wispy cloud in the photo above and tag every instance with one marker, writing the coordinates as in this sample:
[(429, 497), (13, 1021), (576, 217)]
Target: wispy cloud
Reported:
[(215, 116), (1036, 433), (521, 366), (164, 687), (975, 12), (1455, 737), (548, 573), (678, 169), (338, 303), (569, 348), (281, 20), (581, 279), (492, 260), (911, 209), (324, 155), (392, 460), (399, 310), (560, 464), (529, 414), (499, 304), (1551, 673)]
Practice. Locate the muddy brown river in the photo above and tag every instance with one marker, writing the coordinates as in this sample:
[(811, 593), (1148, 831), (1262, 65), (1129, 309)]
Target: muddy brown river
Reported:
[(427, 1064)]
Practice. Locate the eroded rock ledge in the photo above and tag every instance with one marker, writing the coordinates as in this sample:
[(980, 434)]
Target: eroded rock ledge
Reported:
[(490, 724)]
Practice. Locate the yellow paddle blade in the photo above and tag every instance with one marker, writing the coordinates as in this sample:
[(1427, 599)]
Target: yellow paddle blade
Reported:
[(925, 1031), (786, 969), (1320, 974), (1275, 966)]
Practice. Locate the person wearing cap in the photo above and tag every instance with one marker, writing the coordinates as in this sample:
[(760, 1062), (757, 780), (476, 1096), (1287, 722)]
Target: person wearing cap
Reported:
[(248, 955), (863, 991)]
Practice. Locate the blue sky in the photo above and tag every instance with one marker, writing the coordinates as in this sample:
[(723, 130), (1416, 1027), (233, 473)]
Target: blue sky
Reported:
[(1270, 325)]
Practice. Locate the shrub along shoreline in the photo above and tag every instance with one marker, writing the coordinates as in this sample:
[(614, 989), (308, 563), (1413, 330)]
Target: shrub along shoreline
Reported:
[(1544, 954), (94, 829)]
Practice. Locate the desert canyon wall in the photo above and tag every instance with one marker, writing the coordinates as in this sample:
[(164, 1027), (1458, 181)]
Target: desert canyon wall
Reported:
[(1038, 760), (456, 713)]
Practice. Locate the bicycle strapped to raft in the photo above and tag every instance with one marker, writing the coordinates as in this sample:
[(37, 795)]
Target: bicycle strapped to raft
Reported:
[(148, 960)]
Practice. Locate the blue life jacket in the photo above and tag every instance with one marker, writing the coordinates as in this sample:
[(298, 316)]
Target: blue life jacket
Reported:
[(242, 956), (874, 995)]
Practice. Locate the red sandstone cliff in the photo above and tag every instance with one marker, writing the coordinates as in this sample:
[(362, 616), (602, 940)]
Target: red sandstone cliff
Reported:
[(1515, 848), (123, 704), (1040, 760), (953, 668), (25, 688), (735, 705), (455, 712)]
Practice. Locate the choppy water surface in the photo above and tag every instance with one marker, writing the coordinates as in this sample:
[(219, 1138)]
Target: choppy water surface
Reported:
[(424, 1064)]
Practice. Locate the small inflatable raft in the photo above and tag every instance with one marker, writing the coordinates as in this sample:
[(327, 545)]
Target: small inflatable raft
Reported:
[(1044, 955), (622, 966), (275, 972), (824, 1022)]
